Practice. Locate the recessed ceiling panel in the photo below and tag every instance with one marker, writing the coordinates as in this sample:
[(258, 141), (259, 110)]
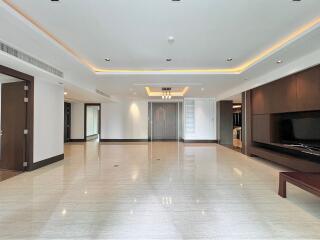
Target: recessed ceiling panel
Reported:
[(134, 34)]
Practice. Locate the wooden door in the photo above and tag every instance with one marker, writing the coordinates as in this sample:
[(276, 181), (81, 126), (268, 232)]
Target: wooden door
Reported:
[(13, 124), (164, 121), (171, 121), (158, 121)]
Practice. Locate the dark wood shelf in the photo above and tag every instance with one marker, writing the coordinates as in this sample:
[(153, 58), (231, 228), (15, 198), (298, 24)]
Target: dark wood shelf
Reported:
[(293, 162)]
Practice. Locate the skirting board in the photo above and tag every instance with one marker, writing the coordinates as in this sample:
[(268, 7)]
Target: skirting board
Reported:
[(77, 140), (45, 162), (93, 135), (199, 141), (123, 140), (164, 140)]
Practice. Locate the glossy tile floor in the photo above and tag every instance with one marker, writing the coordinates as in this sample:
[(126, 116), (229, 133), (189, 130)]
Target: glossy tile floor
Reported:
[(155, 191), (5, 174)]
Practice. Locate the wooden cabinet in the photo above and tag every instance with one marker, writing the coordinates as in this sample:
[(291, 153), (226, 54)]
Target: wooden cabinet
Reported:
[(260, 103), (296, 93), (308, 89), (283, 95), (258, 100), (261, 128), (275, 97)]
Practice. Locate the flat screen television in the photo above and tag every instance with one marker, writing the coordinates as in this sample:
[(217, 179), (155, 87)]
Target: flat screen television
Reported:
[(300, 130)]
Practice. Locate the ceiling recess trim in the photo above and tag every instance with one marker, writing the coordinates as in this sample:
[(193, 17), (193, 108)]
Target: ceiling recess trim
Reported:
[(160, 94), (236, 70)]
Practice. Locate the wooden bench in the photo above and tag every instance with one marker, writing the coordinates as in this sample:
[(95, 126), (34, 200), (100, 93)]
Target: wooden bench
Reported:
[(306, 181)]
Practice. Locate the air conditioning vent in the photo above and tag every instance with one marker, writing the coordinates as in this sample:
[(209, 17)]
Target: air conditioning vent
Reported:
[(29, 59), (102, 93)]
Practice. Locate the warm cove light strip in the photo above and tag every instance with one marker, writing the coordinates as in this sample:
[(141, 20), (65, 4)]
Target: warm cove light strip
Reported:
[(237, 70), (160, 94)]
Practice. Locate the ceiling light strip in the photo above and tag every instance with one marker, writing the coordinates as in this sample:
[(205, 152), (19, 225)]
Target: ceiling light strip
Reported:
[(237, 70), (304, 29)]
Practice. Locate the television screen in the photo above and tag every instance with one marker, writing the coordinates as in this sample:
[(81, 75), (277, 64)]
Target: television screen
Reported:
[(300, 130)]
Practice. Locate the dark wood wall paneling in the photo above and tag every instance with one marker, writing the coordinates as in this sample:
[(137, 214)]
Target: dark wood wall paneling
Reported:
[(298, 92), (308, 89), (225, 122), (261, 128), (295, 93)]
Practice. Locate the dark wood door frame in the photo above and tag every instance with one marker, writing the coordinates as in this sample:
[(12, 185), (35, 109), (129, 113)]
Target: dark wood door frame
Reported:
[(29, 80), (67, 122), (85, 119)]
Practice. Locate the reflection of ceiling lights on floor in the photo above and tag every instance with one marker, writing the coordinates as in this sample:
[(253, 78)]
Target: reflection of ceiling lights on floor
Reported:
[(166, 93)]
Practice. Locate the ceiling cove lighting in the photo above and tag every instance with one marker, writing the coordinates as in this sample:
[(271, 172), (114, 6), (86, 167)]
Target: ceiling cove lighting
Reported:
[(236, 70)]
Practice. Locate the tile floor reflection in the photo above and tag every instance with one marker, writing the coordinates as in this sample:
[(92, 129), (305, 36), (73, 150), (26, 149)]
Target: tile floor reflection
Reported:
[(161, 190)]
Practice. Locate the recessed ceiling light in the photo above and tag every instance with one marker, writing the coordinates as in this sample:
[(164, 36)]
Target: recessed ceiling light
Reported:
[(168, 59), (279, 61), (171, 39), (229, 59), (107, 59)]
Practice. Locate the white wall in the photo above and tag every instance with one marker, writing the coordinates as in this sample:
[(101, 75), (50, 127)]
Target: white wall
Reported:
[(92, 120), (204, 120), (48, 120), (77, 120), (127, 119)]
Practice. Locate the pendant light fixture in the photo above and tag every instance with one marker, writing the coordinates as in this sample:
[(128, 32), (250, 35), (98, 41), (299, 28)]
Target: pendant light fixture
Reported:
[(166, 93)]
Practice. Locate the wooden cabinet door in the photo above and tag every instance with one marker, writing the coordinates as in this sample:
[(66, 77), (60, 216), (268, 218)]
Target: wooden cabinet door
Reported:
[(260, 99), (283, 95), (275, 97), (261, 128), (308, 85)]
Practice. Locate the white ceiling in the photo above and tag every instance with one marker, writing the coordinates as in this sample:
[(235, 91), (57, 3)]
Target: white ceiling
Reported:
[(235, 98), (134, 35)]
